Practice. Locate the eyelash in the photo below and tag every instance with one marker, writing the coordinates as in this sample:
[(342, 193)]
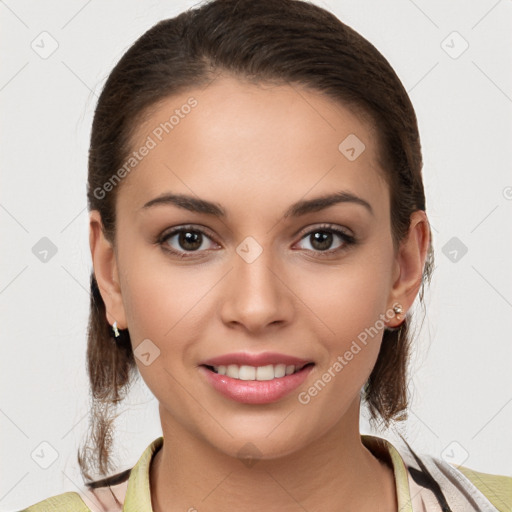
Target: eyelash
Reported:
[(348, 240)]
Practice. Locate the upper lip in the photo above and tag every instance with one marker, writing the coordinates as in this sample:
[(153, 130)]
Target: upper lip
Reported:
[(263, 359)]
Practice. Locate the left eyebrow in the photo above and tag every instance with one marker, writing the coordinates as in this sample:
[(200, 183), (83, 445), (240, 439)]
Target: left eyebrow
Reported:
[(297, 209), (319, 203)]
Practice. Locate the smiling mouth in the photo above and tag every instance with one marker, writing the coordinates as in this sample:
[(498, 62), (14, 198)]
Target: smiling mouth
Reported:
[(257, 373)]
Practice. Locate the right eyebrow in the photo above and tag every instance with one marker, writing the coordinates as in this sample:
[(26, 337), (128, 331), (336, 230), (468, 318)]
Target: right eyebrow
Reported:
[(190, 203)]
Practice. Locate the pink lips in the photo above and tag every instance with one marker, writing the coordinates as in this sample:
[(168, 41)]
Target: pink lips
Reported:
[(254, 391)]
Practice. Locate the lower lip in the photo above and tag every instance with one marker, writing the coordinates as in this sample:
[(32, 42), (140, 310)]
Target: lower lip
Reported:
[(255, 391)]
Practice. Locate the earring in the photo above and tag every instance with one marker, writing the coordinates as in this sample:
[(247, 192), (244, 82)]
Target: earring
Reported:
[(116, 330), (397, 309)]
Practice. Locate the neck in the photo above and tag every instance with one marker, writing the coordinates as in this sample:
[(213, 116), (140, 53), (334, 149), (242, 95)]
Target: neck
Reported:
[(334, 472)]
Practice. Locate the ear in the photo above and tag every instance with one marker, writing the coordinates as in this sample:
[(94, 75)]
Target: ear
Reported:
[(409, 265), (105, 271)]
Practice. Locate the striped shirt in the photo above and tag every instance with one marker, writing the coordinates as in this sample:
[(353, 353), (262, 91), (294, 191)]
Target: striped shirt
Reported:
[(423, 484)]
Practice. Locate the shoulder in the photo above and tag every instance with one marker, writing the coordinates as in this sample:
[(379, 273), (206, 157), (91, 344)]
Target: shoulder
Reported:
[(496, 488), (105, 495), (67, 501), (455, 487), (102, 499), (465, 488)]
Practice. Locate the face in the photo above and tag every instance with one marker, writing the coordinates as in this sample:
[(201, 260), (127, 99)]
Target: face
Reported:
[(251, 273)]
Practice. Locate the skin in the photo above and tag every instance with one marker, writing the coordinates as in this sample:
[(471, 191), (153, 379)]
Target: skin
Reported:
[(255, 150)]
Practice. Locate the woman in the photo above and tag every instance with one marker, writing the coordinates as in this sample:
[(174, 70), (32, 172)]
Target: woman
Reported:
[(258, 232)]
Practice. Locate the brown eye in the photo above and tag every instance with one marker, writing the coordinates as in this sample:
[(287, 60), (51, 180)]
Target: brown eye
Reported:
[(183, 240), (321, 240), (190, 240)]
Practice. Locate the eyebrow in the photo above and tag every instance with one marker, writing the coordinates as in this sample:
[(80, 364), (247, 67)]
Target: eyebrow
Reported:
[(297, 209)]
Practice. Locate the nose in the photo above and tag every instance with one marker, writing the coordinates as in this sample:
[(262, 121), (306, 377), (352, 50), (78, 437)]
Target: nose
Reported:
[(256, 295)]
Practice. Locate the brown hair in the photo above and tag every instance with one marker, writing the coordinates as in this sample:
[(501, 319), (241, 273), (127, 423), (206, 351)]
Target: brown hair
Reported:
[(279, 41)]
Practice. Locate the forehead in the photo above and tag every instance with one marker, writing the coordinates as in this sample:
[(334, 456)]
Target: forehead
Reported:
[(253, 139)]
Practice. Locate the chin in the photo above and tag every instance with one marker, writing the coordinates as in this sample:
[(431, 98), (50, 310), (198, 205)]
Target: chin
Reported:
[(265, 440)]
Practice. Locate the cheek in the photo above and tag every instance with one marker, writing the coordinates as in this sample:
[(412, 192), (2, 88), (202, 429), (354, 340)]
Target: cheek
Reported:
[(350, 298), (349, 304), (350, 311), (162, 306), (163, 299), (156, 294), (172, 306)]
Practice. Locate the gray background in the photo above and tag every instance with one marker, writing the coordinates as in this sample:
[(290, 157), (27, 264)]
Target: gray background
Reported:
[(461, 388)]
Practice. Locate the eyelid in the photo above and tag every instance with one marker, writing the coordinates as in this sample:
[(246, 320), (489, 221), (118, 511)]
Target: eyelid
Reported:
[(327, 227), (184, 227)]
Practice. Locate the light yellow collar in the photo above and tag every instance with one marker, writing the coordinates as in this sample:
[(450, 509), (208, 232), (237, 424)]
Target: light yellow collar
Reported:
[(138, 493)]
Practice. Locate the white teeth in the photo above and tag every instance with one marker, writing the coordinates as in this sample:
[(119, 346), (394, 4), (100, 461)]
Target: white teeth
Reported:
[(232, 371), (265, 372), (246, 372), (279, 370)]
